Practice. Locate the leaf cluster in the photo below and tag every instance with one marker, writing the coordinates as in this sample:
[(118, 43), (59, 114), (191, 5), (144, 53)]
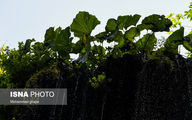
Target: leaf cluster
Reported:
[(58, 45)]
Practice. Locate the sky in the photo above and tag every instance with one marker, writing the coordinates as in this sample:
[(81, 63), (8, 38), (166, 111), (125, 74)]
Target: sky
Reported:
[(26, 19)]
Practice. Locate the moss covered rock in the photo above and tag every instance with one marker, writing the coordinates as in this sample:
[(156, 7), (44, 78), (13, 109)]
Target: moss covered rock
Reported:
[(46, 78)]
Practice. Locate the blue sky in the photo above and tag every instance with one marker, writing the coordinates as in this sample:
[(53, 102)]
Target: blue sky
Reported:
[(26, 19)]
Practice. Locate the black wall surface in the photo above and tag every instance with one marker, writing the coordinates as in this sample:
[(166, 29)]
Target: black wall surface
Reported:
[(157, 89)]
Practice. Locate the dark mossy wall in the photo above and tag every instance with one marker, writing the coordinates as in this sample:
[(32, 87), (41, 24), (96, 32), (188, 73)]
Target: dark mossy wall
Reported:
[(158, 89)]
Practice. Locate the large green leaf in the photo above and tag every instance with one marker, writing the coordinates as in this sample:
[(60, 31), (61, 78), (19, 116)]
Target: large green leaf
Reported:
[(63, 43), (100, 37), (63, 40), (146, 44), (131, 33), (144, 26), (51, 36), (187, 43), (83, 24), (176, 36), (111, 25), (175, 39), (156, 23), (119, 38), (128, 20), (59, 40)]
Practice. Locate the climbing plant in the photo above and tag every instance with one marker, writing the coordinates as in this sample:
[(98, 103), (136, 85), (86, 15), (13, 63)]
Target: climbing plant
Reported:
[(32, 56)]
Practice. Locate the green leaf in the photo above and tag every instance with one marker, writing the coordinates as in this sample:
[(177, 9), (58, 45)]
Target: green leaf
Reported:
[(116, 52), (119, 38), (83, 24), (50, 36), (187, 43), (63, 40), (128, 20), (146, 44), (98, 51), (77, 47), (38, 48), (101, 36), (59, 40), (175, 39), (111, 25), (131, 33), (177, 35), (63, 43), (27, 46), (144, 26), (156, 23)]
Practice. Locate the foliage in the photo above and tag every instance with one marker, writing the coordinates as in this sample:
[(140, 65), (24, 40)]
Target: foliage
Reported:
[(3, 75), (177, 18), (83, 24), (189, 55), (58, 45), (177, 23), (127, 20), (156, 23), (2, 51), (97, 81), (146, 44), (188, 14), (22, 63), (31, 58), (174, 40), (59, 41), (188, 42)]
